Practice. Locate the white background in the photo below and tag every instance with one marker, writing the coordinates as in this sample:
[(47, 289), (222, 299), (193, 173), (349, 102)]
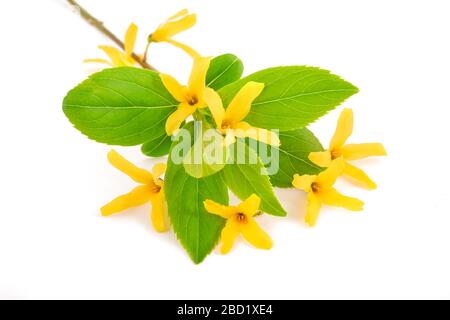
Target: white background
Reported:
[(54, 243)]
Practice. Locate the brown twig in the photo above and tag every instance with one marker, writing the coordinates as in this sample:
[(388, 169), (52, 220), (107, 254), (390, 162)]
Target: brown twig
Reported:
[(99, 25)]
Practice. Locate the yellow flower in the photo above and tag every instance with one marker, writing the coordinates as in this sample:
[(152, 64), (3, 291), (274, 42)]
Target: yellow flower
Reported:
[(338, 149), (177, 23), (240, 220), (190, 97), (230, 121), (116, 56), (320, 190), (151, 190)]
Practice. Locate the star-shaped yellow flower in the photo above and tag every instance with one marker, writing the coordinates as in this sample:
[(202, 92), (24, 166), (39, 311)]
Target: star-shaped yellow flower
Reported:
[(240, 220), (177, 23), (190, 97), (151, 190), (320, 190), (230, 121), (338, 149), (116, 56)]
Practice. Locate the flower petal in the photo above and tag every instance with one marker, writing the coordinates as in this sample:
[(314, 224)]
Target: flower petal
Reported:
[(219, 209), (103, 61), (173, 26), (198, 76), (130, 39), (137, 197), (303, 182), (191, 52), (115, 55), (244, 130), (214, 102), (313, 209), (159, 216), (229, 234), (362, 150), (250, 206), (174, 87), (178, 14), (240, 105), (332, 197), (174, 121), (137, 174), (359, 176), (321, 158), (255, 235), (343, 130), (158, 169), (328, 177)]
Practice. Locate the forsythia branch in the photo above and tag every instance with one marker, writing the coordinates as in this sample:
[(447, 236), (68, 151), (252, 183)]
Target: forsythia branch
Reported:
[(101, 27)]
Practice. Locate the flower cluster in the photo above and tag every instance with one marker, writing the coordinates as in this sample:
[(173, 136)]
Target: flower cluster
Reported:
[(320, 187), (231, 119)]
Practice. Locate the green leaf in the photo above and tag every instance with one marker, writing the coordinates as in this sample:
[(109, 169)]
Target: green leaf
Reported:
[(293, 97), (296, 145), (197, 230), (157, 147), (247, 178), (206, 156), (224, 70), (120, 106)]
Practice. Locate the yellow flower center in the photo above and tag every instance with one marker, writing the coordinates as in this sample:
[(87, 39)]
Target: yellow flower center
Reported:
[(315, 187), (335, 154), (192, 100), (226, 125), (241, 218), (155, 188)]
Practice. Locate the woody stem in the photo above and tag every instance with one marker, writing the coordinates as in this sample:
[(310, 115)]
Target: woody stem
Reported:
[(99, 25)]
